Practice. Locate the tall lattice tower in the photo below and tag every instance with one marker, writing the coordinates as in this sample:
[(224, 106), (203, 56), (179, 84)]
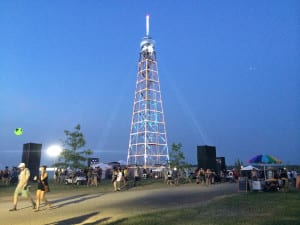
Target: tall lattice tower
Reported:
[(148, 145)]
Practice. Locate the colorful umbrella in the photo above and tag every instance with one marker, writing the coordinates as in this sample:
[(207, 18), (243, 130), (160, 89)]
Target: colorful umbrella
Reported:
[(264, 159)]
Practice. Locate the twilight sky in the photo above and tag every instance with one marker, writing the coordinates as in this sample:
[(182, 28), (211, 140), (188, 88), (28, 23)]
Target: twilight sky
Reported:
[(229, 73)]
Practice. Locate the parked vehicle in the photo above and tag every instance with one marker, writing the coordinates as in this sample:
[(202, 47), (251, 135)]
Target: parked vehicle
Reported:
[(229, 176), (78, 180)]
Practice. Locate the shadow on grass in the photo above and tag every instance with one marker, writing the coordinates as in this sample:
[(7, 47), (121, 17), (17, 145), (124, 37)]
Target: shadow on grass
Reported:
[(80, 219), (117, 222), (74, 199)]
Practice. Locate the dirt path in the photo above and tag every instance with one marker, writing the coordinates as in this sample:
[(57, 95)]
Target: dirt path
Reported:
[(98, 208)]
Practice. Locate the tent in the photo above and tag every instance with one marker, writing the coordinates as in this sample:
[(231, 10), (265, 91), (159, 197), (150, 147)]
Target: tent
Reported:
[(158, 169), (122, 162), (264, 160), (250, 167)]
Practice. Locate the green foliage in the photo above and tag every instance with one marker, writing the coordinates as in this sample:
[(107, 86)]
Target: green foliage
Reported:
[(177, 158), (72, 154)]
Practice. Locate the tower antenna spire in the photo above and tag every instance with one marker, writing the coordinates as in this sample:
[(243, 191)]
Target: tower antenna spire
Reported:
[(147, 25), (148, 146)]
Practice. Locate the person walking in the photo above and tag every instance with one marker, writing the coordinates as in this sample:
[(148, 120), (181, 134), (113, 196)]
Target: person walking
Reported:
[(170, 176), (95, 177), (136, 175), (22, 187), (42, 188), (119, 179), (89, 177), (114, 179)]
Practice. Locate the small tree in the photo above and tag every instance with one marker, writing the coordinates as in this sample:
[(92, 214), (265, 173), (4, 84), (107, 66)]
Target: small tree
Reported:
[(177, 158), (72, 155), (238, 164)]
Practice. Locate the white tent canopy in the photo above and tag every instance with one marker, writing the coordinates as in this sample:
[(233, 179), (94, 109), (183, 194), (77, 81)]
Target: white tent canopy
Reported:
[(159, 169), (122, 162), (102, 166), (250, 167)]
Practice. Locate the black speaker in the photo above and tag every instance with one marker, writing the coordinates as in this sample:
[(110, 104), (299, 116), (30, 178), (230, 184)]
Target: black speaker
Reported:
[(92, 161), (206, 156), (220, 164), (32, 158)]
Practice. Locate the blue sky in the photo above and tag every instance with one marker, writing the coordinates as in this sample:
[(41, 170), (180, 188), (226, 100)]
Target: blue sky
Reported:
[(229, 73)]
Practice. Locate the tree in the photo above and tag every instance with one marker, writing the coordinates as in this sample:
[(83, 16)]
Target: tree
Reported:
[(177, 158), (238, 164), (72, 155)]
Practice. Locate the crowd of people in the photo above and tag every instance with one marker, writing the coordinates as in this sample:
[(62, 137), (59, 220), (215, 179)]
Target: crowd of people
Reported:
[(121, 175), (8, 176), (93, 175)]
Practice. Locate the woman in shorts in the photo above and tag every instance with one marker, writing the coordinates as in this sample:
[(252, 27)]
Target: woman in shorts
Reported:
[(42, 188)]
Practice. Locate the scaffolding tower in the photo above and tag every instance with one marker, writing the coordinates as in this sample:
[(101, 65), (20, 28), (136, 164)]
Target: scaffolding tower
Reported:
[(148, 147)]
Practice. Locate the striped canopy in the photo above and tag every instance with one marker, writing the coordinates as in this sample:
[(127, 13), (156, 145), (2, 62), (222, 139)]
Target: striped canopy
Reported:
[(264, 159)]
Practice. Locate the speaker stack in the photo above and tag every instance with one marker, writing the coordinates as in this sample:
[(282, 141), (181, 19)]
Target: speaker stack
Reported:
[(32, 158), (93, 161), (206, 156)]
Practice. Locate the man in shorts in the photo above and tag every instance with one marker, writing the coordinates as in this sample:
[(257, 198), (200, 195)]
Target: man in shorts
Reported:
[(22, 187)]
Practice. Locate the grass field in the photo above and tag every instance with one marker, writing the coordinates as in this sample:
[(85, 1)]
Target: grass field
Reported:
[(241, 209)]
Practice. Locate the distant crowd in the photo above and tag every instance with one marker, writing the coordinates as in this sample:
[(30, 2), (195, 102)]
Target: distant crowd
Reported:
[(122, 174), (93, 175), (270, 173), (9, 176)]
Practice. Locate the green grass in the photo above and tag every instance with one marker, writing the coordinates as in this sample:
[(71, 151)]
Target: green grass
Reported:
[(104, 187), (240, 209)]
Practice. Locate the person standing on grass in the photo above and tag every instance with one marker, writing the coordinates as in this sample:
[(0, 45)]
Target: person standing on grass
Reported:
[(202, 176), (6, 176), (208, 175), (187, 175), (42, 188), (56, 176), (114, 179), (119, 179), (95, 177), (169, 177), (197, 176), (136, 175), (22, 187), (125, 176)]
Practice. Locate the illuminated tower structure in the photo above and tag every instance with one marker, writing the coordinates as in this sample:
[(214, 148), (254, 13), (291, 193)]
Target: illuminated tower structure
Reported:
[(148, 145)]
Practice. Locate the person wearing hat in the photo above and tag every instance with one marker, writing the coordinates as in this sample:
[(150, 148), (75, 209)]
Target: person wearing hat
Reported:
[(21, 188)]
